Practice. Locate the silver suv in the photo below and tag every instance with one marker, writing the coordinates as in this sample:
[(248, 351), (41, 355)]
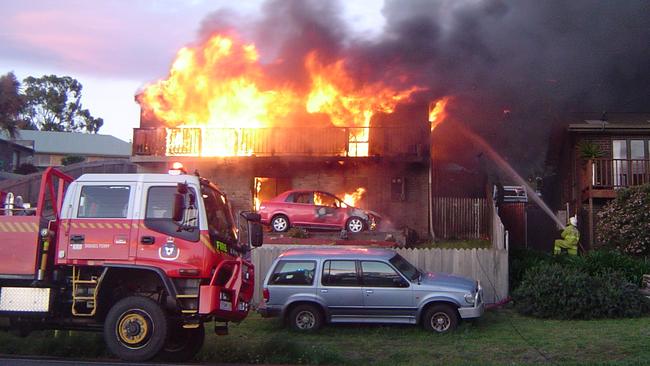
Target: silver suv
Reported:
[(309, 287)]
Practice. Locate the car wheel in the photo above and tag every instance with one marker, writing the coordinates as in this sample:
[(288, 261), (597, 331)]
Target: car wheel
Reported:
[(355, 225), (305, 318), (440, 318), (183, 344), (280, 223), (135, 329)]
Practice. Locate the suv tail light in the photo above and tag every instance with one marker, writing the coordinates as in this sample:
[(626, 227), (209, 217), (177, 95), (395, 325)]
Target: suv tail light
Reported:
[(265, 294)]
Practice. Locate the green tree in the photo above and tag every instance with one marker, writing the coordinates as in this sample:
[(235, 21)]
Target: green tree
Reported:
[(624, 223), (12, 104), (54, 104)]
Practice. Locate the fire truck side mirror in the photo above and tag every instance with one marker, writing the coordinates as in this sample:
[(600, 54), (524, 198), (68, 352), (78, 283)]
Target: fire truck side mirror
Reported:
[(179, 207), (251, 216), (255, 234)]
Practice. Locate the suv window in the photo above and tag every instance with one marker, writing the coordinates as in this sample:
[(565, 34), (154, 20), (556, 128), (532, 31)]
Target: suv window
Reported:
[(340, 273), (299, 273), (380, 274), (104, 202)]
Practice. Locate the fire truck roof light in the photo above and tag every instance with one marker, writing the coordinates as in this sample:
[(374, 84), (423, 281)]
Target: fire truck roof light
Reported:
[(177, 169)]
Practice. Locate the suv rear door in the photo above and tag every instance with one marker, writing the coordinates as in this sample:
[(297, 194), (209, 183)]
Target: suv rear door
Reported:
[(340, 288), (387, 294)]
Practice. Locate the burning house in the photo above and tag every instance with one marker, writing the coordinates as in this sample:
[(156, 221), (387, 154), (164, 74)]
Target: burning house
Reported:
[(224, 113)]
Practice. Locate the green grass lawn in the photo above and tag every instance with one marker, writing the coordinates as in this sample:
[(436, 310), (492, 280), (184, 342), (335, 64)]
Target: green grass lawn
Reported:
[(494, 339)]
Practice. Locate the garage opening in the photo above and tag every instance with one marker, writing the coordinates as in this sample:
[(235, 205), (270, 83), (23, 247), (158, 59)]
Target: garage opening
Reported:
[(265, 188)]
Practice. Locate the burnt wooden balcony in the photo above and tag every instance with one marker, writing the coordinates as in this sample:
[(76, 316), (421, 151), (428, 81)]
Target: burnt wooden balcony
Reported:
[(401, 142), (605, 176)]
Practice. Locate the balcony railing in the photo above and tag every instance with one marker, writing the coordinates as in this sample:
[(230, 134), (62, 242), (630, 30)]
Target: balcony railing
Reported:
[(283, 141), (618, 173)]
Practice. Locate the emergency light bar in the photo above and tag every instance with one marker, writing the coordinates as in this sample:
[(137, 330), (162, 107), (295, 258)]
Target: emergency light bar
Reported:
[(177, 169)]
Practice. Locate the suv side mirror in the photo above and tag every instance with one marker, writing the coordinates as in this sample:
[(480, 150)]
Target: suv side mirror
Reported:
[(179, 207)]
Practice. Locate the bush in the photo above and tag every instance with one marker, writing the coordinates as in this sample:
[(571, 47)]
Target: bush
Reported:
[(595, 262), (624, 223), (556, 291)]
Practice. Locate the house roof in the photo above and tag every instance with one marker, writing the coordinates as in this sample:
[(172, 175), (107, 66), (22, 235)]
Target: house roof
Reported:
[(73, 143), (621, 122)]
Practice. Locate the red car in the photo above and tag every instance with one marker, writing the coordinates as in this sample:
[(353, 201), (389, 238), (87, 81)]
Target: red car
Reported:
[(315, 209)]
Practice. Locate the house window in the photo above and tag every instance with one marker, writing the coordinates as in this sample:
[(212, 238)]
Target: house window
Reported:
[(630, 164)]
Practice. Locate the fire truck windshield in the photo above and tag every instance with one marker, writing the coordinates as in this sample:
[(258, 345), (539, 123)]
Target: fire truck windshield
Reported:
[(220, 221)]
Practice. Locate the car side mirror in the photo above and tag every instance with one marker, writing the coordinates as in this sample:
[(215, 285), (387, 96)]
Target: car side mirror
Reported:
[(179, 207)]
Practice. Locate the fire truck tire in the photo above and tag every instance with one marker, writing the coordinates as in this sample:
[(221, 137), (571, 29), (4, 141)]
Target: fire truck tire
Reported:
[(135, 329), (280, 223), (182, 344)]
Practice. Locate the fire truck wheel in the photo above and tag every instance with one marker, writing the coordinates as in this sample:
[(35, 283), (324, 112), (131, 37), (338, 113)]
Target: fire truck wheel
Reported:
[(183, 344), (306, 318), (280, 223), (135, 329), (355, 225)]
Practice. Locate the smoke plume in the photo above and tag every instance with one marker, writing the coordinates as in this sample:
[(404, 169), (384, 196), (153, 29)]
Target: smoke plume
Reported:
[(516, 69)]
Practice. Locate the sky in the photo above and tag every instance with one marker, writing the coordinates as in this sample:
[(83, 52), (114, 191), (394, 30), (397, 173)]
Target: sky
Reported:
[(115, 47)]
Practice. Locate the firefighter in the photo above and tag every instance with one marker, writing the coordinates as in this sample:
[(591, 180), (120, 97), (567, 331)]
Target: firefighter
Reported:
[(570, 237)]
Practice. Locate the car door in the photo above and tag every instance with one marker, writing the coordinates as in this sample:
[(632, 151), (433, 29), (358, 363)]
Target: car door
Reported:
[(301, 208), (327, 211), (386, 292), (340, 289)]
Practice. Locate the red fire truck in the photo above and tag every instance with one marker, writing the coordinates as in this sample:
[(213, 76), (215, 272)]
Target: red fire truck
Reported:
[(145, 258)]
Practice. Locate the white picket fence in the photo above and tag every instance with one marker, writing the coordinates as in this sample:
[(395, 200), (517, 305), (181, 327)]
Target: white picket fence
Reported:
[(490, 266)]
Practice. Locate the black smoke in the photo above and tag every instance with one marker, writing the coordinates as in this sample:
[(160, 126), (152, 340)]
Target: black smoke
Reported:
[(517, 69)]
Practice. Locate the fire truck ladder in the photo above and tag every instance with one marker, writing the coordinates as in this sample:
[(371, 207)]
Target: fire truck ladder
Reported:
[(189, 303), (84, 293)]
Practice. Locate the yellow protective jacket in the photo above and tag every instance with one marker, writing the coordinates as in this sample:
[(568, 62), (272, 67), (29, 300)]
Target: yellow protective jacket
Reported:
[(571, 235)]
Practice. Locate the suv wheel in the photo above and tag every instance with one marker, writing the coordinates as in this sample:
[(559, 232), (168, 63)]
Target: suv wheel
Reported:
[(440, 318), (355, 225), (305, 318), (280, 223)]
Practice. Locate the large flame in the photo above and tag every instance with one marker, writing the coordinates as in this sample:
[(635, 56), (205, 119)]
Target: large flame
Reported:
[(220, 88), (437, 112), (353, 198)]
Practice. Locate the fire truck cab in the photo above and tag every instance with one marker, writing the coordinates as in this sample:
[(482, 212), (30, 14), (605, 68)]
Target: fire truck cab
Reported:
[(145, 258)]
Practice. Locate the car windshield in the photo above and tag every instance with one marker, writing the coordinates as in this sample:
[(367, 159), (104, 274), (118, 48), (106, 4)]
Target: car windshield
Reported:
[(407, 269)]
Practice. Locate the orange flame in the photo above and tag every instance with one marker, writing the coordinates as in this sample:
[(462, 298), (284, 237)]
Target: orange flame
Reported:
[(352, 199), (218, 88), (437, 112), (258, 187)]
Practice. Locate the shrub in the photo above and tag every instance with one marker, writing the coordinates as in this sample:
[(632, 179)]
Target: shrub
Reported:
[(595, 262), (624, 223), (561, 292)]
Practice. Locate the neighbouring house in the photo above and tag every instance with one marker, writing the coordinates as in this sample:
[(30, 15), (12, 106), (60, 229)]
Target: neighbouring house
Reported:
[(50, 147), (389, 160), (600, 156), (13, 154)]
